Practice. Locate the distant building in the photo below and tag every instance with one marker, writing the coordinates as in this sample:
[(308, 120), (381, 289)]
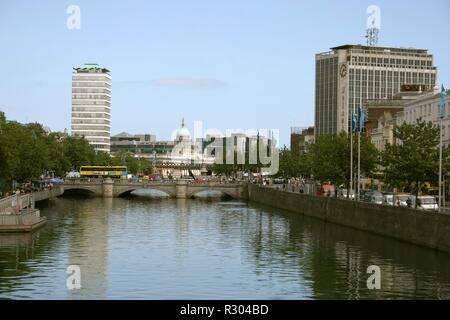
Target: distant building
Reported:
[(382, 115), (349, 75), (300, 138), (91, 105), (406, 106), (426, 107), (139, 144)]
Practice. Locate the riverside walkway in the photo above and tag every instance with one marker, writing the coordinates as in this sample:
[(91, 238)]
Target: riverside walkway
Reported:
[(18, 214)]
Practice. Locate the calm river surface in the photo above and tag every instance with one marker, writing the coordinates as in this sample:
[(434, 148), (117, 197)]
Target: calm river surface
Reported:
[(141, 248)]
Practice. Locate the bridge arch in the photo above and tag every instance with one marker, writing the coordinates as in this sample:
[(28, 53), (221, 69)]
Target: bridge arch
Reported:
[(124, 190), (96, 190), (224, 191)]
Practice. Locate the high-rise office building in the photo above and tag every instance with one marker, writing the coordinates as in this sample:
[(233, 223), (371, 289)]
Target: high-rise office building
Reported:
[(349, 75), (91, 105)]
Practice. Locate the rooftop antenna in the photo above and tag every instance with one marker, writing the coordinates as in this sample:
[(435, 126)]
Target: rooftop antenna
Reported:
[(373, 25), (372, 36)]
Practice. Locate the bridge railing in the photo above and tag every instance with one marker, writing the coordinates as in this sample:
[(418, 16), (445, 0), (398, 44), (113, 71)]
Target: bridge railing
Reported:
[(16, 203), (140, 181), (83, 180)]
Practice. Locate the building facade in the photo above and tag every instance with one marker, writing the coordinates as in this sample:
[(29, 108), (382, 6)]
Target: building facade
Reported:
[(349, 75), (426, 107), (91, 105), (300, 138), (382, 115)]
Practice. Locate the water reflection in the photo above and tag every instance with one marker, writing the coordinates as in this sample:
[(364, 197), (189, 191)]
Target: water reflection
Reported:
[(147, 248)]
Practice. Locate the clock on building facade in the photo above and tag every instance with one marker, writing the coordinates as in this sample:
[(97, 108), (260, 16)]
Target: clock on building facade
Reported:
[(343, 70)]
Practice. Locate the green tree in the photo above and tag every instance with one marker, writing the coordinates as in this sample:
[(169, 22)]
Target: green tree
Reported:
[(414, 160), (2, 151), (329, 158), (292, 165), (103, 159), (135, 166), (78, 152), (25, 150)]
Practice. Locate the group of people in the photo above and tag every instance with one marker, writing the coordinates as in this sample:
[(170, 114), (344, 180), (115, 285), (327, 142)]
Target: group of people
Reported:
[(297, 184), (25, 188)]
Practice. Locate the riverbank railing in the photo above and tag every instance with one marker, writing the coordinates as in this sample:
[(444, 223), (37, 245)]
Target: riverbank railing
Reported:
[(16, 203)]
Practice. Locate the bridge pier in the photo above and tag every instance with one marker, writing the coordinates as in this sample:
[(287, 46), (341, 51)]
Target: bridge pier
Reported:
[(108, 188), (181, 189)]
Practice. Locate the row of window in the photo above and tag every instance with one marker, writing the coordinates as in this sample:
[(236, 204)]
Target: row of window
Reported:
[(91, 96), (92, 103), (429, 110), (94, 109), (84, 90), (100, 146), (90, 121), (391, 62), (91, 84), (91, 115), (90, 77), (84, 127)]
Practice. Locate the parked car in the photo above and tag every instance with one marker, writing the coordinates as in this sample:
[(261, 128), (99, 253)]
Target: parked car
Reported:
[(366, 196), (344, 193), (376, 197), (427, 203), (363, 193), (388, 199)]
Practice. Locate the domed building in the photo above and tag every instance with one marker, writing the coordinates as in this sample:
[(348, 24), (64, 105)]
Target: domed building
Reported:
[(182, 149), (182, 134)]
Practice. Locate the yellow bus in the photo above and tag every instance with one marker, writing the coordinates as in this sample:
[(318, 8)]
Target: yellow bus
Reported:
[(104, 171)]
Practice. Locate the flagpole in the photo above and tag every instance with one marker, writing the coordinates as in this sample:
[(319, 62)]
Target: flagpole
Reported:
[(351, 160), (441, 116), (359, 162), (441, 201), (351, 152)]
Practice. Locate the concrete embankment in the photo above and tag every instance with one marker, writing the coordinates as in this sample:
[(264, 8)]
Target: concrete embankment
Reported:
[(426, 228), (18, 214), (48, 194)]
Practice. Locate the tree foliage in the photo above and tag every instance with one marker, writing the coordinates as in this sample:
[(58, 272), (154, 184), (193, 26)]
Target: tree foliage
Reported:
[(292, 165), (414, 159), (27, 151), (135, 165), (329, 158)]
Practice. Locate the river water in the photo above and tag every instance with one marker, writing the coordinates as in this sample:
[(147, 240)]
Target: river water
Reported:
[(149, 248)]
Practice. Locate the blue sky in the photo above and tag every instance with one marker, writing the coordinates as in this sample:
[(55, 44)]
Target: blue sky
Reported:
[(229, 63)]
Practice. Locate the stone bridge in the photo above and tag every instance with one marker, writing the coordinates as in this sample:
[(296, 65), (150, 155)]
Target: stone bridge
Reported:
[(109, 188)]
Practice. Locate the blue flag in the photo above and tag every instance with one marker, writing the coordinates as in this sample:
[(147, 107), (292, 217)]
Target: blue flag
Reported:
[(442, 103), (361, 119), (354, 122)]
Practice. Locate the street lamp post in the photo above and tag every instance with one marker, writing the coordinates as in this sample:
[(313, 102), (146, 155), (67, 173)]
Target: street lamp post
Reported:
[(441, 117)]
